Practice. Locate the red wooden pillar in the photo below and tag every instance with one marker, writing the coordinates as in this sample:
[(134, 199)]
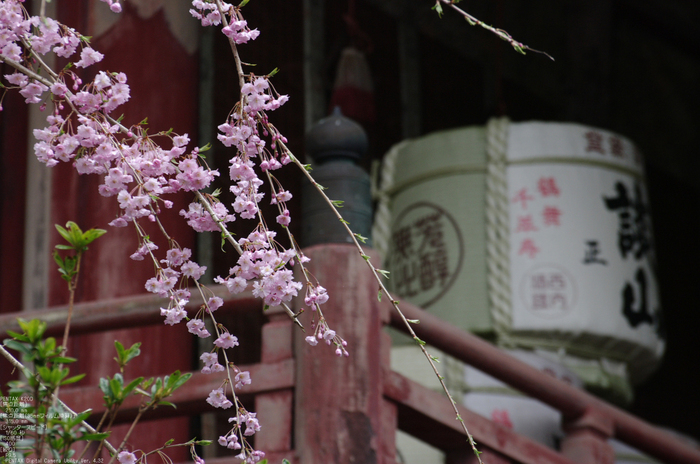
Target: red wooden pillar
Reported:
[(586, 440), (338, 404), (274, 409), (389, 413)]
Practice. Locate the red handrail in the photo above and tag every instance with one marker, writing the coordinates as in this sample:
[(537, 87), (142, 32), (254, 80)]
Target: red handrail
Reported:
[(573, 403), (368, 405), (118, 313)]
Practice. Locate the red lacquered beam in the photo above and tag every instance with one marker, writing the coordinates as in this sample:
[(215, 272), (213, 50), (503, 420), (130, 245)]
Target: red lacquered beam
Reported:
[(120, 313), (573, 403), (190, 398), (428, 415)]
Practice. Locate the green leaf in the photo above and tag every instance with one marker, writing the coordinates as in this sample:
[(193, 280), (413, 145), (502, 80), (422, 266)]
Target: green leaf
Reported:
[(361, 238), (64, 233), (124, 356), (519, 49), (115, 385), (17, 346), (379, 296), (413, 321), (93, 234), (120, 350), (45, 373), (344, 221), (58, 260), (337, 203), (157, 386), (273, 72), (80, 417), (307, 167), (18, 336), (76, 234), (176, 380), (63, 360), (419, 341), (365, 257), (74, 379), (49, 345), (243, 3), (126, 391), (438, 8), (94, 436), (59, 375), (34, 329), (133, 351), (77, 239), (144, 122), (105, 387), (384, 273), (167, 403), (206, 147)]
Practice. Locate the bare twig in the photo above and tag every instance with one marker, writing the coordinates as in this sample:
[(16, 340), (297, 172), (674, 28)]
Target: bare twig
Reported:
[(517, 46)]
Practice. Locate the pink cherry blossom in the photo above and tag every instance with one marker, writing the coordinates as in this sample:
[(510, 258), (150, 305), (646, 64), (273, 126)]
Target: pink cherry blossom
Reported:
[(226, 340), (125, 457), (88, 57), (242, 378)]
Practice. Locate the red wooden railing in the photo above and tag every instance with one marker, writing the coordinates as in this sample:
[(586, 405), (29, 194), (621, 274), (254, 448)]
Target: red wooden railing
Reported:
[(318, 408)]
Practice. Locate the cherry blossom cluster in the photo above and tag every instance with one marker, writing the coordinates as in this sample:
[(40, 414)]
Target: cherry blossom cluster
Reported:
[(210, 14), (140, 171), (263, 263), (232, 439), (322, 332)]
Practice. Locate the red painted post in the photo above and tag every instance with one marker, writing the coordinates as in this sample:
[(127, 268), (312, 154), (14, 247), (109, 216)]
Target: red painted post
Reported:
[(274, 409), (338, 400), (586, 440), (389, 412)]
